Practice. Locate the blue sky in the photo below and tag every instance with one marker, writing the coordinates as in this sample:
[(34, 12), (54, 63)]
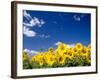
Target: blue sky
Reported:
[(43, 29)]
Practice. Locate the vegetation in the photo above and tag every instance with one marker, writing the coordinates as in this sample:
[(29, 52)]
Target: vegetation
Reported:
[(62, 56)]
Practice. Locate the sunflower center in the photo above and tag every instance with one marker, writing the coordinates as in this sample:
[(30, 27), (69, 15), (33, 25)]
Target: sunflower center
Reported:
[(88, 51), (79, 46), (70, 54), (62, 48), (84, 51), (75, 50), (51, 59), (60, 59)]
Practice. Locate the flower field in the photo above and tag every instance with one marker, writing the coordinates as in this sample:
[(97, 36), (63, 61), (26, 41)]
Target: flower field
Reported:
[(62, 56)]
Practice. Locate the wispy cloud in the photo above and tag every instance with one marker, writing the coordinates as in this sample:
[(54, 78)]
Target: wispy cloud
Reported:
[(44, 36), (28, 32), (70, 45), (33, 21), (78, 17), (26, 15), (57, 43), (30, 51), (67, 45)]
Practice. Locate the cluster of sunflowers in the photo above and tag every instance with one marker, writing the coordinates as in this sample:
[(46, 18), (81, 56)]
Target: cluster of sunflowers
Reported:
[(63, 56)]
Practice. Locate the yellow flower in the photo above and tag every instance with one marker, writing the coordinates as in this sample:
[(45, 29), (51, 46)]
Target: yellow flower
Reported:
[(61, 59), (25, 56), (84, 52), (62, 54), (61, 48), (51, 50), (74, 50), (49, 59), (39, 58), (89, 53), (70, 54), (89, 50), (89, 46), (71, 49), (41, 62), (33, 58), (79, 46)]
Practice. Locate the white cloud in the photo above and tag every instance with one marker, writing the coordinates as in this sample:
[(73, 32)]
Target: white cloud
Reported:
[(36, 20), (47, 36), (70, 45), (26, 50), (28, 32), (42, 21), (30, 51), (30, 24), (57, 43), (27, 15), (32, 21), (44, 36), (77, 18)]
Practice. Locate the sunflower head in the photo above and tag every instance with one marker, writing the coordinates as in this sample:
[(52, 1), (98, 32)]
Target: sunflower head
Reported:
[(79, 46), (74, 50), (61, 59), (84, 52), (50, 59), (39, 59), (89, 46), (51, 50), (70, 55), (25, 56), (33, 58), (41, 62), (62, 46), (89, 53)]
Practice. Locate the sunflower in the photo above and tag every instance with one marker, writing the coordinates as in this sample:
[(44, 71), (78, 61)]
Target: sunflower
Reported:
[(61, 48), (64, 55), (33, 58), (84, 52), (61, 59), (89, 53), (74, 50), (25, 56), (89, 50), (70, 54), (41, 62), (49, 59), (51, 50), (71, 49), (89, 46), (39, 59), (79, 46)]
